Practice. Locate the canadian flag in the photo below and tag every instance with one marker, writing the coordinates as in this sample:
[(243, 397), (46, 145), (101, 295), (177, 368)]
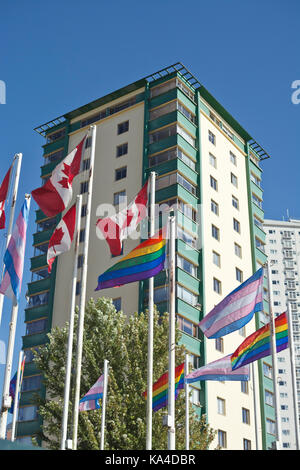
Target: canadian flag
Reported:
[(116, 228), (3, 195), (56, 194), (62, 237)]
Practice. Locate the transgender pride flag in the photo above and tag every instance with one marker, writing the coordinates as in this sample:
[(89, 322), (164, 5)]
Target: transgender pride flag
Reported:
[(14, 256), (90, 401), (237, 309)]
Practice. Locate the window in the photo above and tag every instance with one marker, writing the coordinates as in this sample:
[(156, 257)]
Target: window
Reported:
[(219, 344), (213, 183), (269, 398), (80, 261), (119, 197), (245, 416), (195, 396), (220, 406), (123, 127), (162, 88), (238, 275), (212, 137), (237, 250), (212, 160), (214, 207), (246, 444), (217, 285), (56, 135), (82, 235), (186, 237), (83, 210), (160, 294), (36, 326), (54, 157), (236, 225), (38, 299), (271, 426), (46, 224), (162, 110), (121, 173), (161, 134), (216, 259), (187, 113), (187, 295), (186, 265), (232, 158), (84, 187), (222, 439), (31, 383), (171, 154), (257, 181), (256, 200), (188, 327), (234, 180), (27, 413), (39, 274), (122, 150), (190, 139), (41, 249), (78, 287), (235, 202), (86, 163), (244, 386), (215, 232), (117, 303)]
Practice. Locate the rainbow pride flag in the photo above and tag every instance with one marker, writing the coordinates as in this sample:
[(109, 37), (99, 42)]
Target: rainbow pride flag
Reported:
[(160, 388), (257, 345), (143, 262)]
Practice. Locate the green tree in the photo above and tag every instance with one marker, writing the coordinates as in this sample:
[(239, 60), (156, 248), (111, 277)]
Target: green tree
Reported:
[(121, 340)]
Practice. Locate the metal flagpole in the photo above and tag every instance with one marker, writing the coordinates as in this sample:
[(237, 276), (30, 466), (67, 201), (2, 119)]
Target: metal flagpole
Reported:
[(171, 389), (16, 403), (104, 404), (274, 361), (150, 324), (64, 430), (293, 372), (83, 293), (18, 157), (255, 406), (6, 399), (187, 404)]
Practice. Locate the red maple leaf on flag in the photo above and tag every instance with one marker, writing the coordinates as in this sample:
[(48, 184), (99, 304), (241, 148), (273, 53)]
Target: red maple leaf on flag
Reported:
[(64, 182), (56, 238)]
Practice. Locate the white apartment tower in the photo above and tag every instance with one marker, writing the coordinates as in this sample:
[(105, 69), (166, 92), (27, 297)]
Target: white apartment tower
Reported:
[(283, 250)]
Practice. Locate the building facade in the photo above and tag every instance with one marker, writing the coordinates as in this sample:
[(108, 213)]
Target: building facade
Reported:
[(283, 250), (209, 169)]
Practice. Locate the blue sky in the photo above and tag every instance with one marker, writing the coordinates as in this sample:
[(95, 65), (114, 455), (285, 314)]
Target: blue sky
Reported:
[(58, 56)]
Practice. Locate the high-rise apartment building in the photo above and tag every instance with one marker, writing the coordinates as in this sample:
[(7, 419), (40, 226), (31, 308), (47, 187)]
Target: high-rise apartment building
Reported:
[(283, 250), (208, 167)]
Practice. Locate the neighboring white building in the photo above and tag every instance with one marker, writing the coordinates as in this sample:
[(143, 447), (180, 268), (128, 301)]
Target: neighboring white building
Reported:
[(283, 250)]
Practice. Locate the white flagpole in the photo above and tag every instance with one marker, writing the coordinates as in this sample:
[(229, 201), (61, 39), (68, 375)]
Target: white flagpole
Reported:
[(255, 406), (274, 362), (293, 373), (83, 293), (150, 324), (64, 430), (172, 296), (6, 399), (187, 404), (104, 404), (16, 403), (18, 158)]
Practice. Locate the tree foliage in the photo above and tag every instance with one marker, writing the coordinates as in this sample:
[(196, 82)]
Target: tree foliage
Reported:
[(121, 340)]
